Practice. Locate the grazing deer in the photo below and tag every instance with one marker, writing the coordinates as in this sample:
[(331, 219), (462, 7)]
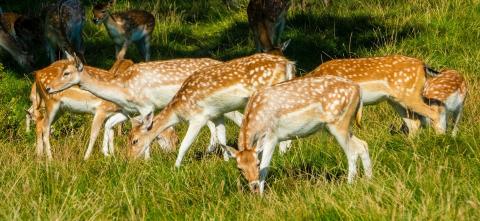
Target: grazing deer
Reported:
[(77, 100), (126, 27), (208, 94), (446, 92), (267, 18), (11, 43), (298, 108), (63, 25), (142, 88), (398, 79)]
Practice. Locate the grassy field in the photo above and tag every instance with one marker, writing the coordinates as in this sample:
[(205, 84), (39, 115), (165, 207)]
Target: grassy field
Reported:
[(426, 177)]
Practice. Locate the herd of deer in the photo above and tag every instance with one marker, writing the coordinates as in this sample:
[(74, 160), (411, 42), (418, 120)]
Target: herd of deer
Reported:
[(277, 106)]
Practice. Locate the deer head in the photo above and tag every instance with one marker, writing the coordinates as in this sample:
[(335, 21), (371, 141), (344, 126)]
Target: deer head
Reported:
[(70, 75), (101, 11)]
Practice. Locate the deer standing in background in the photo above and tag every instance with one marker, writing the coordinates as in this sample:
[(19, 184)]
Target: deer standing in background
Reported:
[(398, 79), (13, 34), (132, 26), (446, 92), (207, 95), (142, 88), (298, 108), (267, 19), (63, 25), (80, 101)]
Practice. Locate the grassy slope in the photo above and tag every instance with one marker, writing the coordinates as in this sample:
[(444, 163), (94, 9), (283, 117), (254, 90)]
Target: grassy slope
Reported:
[(426, 177)]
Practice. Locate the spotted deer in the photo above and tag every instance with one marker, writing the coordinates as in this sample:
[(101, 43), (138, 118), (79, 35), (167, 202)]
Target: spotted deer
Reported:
[(12, 42), (63, 25), (132, 26), (77, 100), (208, 94), (142, 88), (446, 92), (267, 19), (397, 79), (298, 108)]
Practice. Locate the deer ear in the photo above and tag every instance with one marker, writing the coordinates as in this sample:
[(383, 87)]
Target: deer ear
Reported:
[(78, 63), (285, 44), (231, 152), (69, 56), (136, 121), (148, 122)]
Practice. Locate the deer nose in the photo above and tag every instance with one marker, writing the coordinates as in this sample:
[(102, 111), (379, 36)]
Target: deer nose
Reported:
[(255, 186), (48, 89)]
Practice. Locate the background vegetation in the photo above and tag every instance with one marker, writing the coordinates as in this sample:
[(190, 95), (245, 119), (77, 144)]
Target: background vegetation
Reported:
[(427, 177)]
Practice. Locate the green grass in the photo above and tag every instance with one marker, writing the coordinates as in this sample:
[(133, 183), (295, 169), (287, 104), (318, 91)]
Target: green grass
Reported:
[(427, 177)]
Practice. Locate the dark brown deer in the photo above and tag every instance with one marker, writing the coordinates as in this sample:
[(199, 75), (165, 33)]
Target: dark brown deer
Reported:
[(12, 42), (63, 25), (267, 21), (132, 26)]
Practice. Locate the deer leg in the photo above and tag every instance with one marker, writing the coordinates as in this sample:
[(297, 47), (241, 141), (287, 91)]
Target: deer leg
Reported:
[(47, 123), (267, 153), (340, 131), (213, 137), (221, 134), (97, 122), (235, 116), (284, 146), (143, 46), (417, 105), (108, 145), (192, 132), (457, 114), (123, 50), (39, 138), (409, 119)]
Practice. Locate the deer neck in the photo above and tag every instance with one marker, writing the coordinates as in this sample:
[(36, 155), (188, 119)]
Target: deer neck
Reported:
[(98, 83)]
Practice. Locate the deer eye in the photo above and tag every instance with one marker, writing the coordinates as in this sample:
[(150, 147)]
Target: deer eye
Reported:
[(66, 73)]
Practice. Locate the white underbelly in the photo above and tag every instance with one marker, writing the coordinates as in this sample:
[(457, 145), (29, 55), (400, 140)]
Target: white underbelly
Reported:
[(299, 124), (224, 101), (454, 101), (160, 97), (374, 91), (80, 106)]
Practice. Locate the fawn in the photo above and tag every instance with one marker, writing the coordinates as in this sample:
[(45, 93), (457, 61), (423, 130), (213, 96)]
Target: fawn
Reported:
[(126, 27), (207, 95), (267, 19), (298, 108), (446, 92), (397, 79), (63, 25), (77, 100)]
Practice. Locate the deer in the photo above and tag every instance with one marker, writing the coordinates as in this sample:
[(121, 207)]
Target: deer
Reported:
[(266, 19), (398, 79), (63, 25), (77, 100), (142, 88), (132, 26), (207, 95), (446, 92), (10, 41), (298, 108)]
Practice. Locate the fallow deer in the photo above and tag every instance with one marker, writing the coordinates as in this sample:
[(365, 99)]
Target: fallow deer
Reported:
[(398, 79), (208, 94), (298, 108), (142, 88), (77, 100), (267, 19), (446, 92), (132, 26), (63, 25), (10, 42)]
